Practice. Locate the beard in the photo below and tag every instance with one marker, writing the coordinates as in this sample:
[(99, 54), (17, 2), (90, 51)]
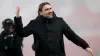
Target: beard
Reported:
[(49, 16)]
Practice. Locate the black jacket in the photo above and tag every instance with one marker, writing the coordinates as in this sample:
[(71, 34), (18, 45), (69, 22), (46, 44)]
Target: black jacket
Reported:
[(48, 33), (10, 43)]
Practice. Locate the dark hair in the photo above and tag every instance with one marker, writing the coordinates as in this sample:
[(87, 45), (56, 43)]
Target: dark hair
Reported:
[(41, 6)]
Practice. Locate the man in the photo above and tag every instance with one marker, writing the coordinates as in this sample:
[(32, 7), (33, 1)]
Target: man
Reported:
[(10, 42), (48, 30)]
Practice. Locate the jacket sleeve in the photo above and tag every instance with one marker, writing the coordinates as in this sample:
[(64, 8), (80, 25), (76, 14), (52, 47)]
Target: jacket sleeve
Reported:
[(72, 36), (2, 43), (20, 30), (0, 38)]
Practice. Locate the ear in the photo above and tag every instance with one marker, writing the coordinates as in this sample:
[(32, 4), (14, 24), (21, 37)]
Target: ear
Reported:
[(40, 13)]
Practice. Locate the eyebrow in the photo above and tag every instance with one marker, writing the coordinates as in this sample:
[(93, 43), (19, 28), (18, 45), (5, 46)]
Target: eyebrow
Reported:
[(48, 8)]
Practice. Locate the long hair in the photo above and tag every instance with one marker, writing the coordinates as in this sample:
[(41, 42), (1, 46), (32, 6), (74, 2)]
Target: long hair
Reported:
[(41, 7)]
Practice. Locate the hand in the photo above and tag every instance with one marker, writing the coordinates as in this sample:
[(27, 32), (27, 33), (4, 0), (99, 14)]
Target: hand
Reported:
[(17, 11), (90, 51)]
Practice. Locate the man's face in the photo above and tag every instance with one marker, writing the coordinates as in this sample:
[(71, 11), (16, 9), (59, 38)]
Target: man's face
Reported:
[(47, 11), (11, 29)]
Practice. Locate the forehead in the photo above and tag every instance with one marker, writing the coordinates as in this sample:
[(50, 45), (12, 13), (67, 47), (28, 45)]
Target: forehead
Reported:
[(47, 6)]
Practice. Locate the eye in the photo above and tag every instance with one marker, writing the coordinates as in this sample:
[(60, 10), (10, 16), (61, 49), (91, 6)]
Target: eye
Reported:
[(50, 8), (46, 9)]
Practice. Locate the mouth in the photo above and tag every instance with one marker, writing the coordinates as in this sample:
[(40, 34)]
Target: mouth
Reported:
[(50, 13)]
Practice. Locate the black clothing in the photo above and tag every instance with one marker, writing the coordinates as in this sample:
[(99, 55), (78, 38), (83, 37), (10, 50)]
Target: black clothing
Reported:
[(48, 35), (10, 44)]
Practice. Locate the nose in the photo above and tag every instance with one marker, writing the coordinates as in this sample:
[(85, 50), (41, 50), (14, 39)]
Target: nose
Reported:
[(50, 10)]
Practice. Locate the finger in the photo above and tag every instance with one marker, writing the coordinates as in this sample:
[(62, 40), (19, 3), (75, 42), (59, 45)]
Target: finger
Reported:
[(92, 53), (17, 8)]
